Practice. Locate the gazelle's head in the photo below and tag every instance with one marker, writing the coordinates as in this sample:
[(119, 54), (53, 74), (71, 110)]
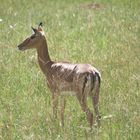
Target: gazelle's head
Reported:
[(35, 40)]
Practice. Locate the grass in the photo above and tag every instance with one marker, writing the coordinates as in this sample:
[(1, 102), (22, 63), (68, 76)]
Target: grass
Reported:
[(106, 37)]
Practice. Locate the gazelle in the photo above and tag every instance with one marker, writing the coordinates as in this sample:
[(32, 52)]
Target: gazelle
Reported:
[(82, 80)]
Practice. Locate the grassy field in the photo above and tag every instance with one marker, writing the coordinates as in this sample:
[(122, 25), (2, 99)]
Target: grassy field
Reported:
[(105, 34)]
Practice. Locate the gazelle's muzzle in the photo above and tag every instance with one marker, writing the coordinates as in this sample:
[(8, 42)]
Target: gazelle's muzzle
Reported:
[(23, 46)]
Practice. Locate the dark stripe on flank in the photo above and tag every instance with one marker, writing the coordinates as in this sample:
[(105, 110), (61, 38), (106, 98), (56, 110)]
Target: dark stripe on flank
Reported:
[(84, 84)]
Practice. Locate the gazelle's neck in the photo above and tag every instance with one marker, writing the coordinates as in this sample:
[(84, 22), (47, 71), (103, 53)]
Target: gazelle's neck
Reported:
[(43, 57)]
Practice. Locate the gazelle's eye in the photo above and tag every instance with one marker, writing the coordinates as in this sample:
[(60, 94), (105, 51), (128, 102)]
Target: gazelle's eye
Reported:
[(33, 36)]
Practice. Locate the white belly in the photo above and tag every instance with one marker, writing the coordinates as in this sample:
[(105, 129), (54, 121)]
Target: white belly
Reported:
[(69, 93)]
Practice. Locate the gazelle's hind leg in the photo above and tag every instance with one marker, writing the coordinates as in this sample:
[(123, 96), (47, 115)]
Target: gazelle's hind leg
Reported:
[(82, 93), (95, 100), (83, 102)]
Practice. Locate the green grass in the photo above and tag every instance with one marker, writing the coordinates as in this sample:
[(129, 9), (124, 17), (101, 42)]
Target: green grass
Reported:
[(108, 38)]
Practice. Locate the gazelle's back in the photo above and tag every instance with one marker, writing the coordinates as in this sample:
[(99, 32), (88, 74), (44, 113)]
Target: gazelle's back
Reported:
[(67, 77)]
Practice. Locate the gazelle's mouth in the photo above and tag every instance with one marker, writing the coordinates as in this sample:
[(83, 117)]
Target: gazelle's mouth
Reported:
[(21, 48)]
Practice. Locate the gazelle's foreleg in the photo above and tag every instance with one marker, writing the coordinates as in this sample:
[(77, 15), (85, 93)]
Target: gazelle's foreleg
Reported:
[(62, 107), (55, 104)]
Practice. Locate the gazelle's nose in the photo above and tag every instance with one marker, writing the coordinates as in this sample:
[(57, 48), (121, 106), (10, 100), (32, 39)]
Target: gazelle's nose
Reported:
[(20, 47)]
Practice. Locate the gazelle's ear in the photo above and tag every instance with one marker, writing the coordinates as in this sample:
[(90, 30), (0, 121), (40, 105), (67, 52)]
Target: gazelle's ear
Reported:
[(35, 30), (40, 26)]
